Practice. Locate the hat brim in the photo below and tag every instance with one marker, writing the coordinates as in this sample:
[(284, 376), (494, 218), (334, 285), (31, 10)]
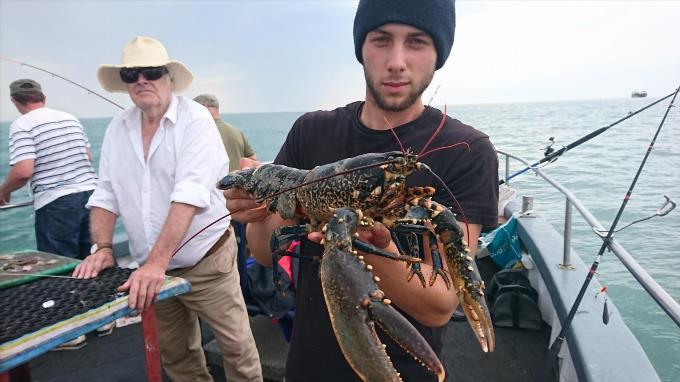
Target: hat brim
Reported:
[(109, 77)]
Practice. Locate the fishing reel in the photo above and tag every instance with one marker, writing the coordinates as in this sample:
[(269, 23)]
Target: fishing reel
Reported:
[(547, 150)]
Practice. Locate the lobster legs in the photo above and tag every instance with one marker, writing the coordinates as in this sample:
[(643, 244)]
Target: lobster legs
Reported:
[(465, 277), (355, 304)]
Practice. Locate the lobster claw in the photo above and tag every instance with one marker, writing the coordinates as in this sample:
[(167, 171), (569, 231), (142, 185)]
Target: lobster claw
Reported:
[(355, 304), (465, 278), (469, 288)]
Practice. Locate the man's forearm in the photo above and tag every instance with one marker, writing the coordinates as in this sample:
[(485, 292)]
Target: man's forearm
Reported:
[(18, 176), (12, 184), (176, 225), (259, 235), (432, 305), (102, 223)]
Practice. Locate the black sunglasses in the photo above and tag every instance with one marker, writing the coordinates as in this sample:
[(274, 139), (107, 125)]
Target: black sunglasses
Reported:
[(130, 75)]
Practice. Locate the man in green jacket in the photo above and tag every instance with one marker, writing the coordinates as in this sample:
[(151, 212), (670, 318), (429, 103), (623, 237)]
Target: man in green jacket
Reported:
[(240, 153)]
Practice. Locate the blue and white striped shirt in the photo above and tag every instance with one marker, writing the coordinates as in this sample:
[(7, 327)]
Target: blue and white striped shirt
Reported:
[(58, 144)]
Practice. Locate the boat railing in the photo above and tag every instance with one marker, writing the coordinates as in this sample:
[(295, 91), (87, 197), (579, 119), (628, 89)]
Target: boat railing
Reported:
[(16, 205), (656, 291)]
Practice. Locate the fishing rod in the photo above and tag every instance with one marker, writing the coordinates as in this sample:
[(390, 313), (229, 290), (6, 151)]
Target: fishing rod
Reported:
[(16, 205), (550, 369), (553, 155), (90, 91), (63, 78)]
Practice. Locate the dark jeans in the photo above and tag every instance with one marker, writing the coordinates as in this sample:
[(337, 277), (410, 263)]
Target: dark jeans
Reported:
[(62, 227), (242, 253)]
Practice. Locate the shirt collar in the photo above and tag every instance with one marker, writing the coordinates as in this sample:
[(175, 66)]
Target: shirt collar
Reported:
[(134, 114)]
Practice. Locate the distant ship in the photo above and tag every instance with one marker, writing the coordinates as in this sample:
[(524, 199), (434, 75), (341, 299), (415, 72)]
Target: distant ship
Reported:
[(638, 94)]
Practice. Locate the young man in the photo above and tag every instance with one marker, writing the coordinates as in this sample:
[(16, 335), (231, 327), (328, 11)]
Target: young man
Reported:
[(159, 163), (400, 44), (50, 148)]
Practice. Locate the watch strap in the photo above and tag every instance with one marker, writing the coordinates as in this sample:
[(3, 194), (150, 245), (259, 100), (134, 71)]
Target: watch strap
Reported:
[(101, 246)]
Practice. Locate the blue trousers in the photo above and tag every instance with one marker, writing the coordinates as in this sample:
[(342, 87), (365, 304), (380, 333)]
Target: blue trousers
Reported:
[(62, 227), (242, 253)]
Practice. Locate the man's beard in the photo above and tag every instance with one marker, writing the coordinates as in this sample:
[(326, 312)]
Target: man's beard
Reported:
[(410, 99)]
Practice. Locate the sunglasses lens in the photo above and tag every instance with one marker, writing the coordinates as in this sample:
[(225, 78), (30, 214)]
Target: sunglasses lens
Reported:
[(129, 75), (153, 74)]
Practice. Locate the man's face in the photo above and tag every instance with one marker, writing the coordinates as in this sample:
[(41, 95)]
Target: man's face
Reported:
[(151, 94), (399, 63)]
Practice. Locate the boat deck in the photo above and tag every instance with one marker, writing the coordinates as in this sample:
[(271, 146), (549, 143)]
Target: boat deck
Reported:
[(119, 357), (518, 356)]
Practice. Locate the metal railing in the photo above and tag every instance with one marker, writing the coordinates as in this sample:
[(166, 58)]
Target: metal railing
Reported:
[(658, 294), (16, 205)]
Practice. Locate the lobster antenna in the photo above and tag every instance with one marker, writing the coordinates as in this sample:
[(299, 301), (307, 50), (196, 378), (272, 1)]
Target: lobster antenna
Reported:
[(443, 148), (281, 192), (201, 230), (453, 197), (391, 129), (439, 128)]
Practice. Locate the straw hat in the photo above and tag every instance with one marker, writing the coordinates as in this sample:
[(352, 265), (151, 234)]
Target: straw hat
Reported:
[(144, 52)]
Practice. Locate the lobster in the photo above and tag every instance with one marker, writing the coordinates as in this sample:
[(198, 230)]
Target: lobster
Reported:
[(338, 199)]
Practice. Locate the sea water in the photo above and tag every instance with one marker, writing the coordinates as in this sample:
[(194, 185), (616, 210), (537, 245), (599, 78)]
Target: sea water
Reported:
[(598, 172)]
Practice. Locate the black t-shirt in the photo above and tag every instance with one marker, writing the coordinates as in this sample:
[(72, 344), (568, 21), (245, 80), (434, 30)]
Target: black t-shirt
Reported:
[(470, 170)]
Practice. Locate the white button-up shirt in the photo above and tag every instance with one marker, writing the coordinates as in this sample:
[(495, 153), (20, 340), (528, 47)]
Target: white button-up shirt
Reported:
[(185, 160)]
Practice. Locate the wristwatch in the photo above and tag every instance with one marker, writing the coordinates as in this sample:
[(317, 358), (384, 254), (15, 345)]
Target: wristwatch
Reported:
[(97, 246)]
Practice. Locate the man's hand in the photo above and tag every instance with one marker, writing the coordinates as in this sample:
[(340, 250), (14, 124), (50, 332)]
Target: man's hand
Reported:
[(4, 197), (245, 163), (378, 235), (144, 284), (243, 207), (95, 263)]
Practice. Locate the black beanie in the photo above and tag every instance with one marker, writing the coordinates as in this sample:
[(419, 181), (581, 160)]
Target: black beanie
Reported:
[(435, 17)]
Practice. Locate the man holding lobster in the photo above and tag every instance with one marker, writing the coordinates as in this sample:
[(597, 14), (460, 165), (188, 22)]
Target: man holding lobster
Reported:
[(400, 44)]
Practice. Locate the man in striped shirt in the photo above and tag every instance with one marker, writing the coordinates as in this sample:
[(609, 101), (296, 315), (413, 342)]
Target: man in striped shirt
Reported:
[(49, 148)]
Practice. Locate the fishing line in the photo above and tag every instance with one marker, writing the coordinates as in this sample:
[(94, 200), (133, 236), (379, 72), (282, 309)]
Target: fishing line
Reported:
[(63, 78), (90, 91), (434, 94), (664, 210), (553, 155), (550, 367)]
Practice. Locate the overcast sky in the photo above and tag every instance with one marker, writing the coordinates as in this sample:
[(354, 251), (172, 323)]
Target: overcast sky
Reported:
[(263, 56)]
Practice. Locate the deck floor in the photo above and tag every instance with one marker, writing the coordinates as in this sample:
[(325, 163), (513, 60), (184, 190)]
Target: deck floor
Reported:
[(119, 357)]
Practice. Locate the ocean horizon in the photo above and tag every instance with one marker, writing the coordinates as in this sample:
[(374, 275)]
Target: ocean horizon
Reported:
[(439, 106)]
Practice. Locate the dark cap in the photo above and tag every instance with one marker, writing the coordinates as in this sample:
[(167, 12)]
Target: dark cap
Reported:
[(207, 100), (437, 18), (24, 86)]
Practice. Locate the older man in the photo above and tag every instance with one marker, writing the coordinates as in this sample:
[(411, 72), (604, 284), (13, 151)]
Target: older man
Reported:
[(159, 163)]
